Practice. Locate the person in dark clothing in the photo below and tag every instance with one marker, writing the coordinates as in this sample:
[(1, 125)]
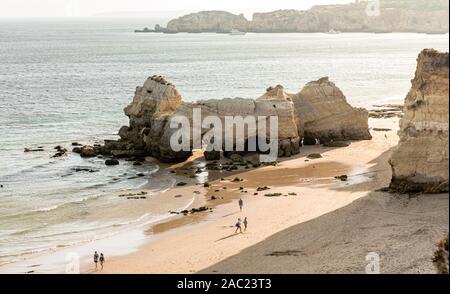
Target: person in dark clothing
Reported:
[(102, 259), (238, 226), (96, 259)]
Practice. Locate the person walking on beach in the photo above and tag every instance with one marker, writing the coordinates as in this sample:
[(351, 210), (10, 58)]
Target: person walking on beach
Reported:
[(241, 203), (102, 259), (238, 226), (95, 259), (245, 224)]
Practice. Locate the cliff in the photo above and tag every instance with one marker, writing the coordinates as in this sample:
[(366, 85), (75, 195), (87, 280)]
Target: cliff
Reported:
[(208, 21), (393, 16), (420, 162), (423, 16)]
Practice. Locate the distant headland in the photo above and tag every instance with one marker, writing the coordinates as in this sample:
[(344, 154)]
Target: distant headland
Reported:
[(385, 16)]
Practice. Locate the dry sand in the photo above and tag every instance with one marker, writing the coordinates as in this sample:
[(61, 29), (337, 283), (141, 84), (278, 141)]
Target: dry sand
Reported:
[(189, 244), (402, 231)]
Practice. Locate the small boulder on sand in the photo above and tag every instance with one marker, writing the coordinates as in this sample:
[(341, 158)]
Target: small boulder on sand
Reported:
[(336, 144), (314, 156), (343, 178)]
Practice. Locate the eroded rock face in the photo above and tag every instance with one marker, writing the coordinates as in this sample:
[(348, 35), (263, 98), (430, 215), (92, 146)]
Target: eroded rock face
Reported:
[(276, 102), (394, 16), (158, 101), (149, 131), (326, 115), (422, 16), (208, 21), (420, 161)]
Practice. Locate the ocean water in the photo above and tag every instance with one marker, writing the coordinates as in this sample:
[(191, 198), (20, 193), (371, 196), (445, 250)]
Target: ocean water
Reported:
[(65, 81)]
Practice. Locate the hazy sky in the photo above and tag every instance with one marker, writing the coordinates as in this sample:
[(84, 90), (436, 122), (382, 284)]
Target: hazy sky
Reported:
[(60, 8)]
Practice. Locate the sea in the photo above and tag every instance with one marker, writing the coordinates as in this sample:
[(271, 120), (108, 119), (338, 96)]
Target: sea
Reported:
[(68, 80)]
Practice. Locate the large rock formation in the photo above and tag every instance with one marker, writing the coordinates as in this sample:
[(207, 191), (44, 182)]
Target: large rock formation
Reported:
[(319, 110), (325, 114), (420, 162), (427, 16), (158, 101), (150, 112), (208, 21)]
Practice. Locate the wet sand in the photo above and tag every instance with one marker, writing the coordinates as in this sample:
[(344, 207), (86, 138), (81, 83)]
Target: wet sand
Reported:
[(304, 189)]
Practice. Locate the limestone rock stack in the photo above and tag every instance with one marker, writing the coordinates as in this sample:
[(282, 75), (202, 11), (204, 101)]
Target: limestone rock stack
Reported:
[(276, 102), (149, 114), (320, 110), (420, 162), (158, 101), (326, 115)]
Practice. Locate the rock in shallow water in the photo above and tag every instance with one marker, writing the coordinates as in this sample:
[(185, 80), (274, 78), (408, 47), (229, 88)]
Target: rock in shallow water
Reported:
[(60, 151), (111, 162), (39, 149), (76, 150), (87, 151)]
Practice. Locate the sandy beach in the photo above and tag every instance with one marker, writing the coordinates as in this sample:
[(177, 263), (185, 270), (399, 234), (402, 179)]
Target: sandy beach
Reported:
[(189, 244), (401, 231), (236, 138)]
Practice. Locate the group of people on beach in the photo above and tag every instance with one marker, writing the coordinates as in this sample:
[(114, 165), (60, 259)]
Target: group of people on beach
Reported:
[(241, 222), (99, 258)]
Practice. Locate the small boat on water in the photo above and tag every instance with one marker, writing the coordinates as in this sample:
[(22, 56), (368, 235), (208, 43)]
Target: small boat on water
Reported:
[(235, 32), (145, 30), (333, 32)]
